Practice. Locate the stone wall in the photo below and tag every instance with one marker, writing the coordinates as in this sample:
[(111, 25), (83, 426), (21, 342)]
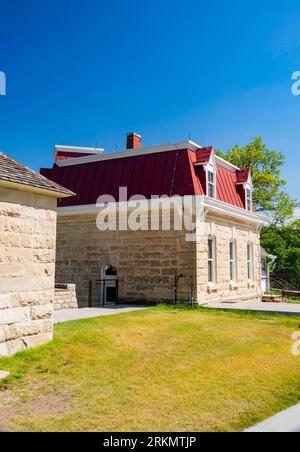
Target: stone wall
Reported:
[(65, 297), (27, 256), (147, 262)]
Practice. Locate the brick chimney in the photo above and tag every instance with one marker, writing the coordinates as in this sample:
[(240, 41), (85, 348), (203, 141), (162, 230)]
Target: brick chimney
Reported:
[(134, 141)]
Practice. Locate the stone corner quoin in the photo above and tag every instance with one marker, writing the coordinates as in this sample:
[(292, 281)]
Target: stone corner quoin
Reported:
[(27, 266)]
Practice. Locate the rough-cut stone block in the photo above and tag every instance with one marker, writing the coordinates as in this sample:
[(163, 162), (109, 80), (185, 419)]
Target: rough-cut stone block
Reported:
[(4, 349), (29, 328), (41, 312), (12, 270), (14, 346), (3, 332), (14, 315), (35, 341), (19, 284), (27, 255), (5, 301)]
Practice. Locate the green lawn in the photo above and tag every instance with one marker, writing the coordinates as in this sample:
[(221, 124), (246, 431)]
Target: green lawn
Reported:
[(292, 300), (163, 369), (287, 299)]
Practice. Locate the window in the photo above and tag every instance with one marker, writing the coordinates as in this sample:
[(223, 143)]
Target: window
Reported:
[(250, 262), (248, 199), (232, 261), (211, 184), (212, 261)]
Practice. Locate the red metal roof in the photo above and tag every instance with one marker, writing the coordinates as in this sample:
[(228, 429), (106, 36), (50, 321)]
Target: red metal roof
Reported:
[(155, 174), (242, 176), (226, 187), (203, 155), (69, 155)]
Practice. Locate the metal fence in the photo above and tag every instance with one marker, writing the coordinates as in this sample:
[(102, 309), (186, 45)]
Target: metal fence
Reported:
[(285, 285), (183, 296), (103, 293), (289, 281)]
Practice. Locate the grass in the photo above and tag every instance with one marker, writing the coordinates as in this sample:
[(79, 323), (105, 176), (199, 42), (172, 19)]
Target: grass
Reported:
[(292, 300), (163, 369), (286, 299)]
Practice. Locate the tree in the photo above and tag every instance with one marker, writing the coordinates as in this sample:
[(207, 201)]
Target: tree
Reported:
[(284, 242), (269, 194)]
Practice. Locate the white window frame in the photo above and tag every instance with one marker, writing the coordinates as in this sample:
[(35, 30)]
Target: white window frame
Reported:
[(210, 167), (233, 261), (211, 184), (212, 261), (249, 199), (250, 262)]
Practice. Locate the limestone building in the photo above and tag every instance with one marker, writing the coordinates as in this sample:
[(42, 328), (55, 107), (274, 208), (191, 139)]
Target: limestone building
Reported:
[(28, 203), (221, 262)]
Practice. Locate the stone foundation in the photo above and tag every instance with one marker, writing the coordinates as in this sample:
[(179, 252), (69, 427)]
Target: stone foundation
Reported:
[(27, 256), (65, 297)]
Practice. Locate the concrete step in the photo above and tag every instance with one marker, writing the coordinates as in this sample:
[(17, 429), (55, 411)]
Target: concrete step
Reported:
[(272, 299)]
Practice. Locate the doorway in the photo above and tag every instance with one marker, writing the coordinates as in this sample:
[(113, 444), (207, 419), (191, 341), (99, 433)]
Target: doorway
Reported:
[(108, 286)]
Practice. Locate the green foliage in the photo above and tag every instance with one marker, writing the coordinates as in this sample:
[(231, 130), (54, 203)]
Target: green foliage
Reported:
[(269, 195), (282, 236), (284, 242)]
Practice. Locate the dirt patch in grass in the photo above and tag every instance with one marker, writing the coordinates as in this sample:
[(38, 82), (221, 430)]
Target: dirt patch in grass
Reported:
[(13, 407)]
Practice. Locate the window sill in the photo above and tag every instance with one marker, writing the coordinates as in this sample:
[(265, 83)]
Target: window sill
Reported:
[(233, 285), (212, 288), (251, 284)]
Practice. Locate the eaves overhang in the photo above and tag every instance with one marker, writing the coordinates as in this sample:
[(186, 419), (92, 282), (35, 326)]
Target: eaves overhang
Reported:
[(221, 207), (209, 204), (37, 190)]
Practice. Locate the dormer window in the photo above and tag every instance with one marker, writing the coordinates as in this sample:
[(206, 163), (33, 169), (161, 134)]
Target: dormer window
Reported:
[(248, 199), (245, 188), (211, 184), (207, 171)]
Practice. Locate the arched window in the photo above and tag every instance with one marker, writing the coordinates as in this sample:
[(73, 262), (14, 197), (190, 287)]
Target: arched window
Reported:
[(233, 260)]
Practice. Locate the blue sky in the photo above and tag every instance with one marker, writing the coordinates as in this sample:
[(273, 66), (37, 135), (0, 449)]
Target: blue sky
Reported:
[(87, 72)]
